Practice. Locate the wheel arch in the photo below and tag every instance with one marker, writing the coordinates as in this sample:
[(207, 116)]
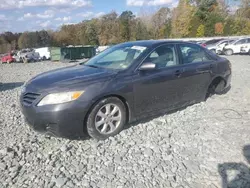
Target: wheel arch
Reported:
[(230, 49), (121, 98), (214, 83)]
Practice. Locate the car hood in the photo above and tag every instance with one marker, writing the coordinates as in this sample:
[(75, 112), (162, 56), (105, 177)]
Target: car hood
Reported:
[(67, 77)]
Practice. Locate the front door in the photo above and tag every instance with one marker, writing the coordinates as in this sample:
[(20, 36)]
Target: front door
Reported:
[(158, 89)]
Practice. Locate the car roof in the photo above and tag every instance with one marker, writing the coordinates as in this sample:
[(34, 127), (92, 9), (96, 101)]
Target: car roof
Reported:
[(152, 43), (243, 38)]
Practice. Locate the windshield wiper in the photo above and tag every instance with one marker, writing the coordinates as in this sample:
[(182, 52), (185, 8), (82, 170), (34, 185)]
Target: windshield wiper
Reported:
[(93, 66)]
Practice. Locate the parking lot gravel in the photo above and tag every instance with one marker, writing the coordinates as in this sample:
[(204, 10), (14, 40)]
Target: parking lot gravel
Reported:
[(204, 145)]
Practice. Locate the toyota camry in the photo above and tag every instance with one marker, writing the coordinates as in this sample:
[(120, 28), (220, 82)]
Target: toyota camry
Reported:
[(120, 85)]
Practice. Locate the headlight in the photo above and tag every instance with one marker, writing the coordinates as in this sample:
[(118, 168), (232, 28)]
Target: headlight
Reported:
[(58, 98)]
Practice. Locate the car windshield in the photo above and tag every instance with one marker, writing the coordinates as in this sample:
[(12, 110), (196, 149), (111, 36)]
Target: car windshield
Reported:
[(117, 57)]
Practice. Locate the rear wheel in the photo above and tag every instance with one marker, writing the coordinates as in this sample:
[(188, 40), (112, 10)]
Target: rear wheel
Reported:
[(229, 52), (216, 87), (219, 52), (106, 119)]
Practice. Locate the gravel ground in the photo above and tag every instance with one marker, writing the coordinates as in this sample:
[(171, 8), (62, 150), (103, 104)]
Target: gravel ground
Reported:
[(201, 146)]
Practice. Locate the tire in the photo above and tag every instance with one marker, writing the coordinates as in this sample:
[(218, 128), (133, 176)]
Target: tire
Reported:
[(44, 58), (216, 87), (229, 52), (97, 126), (219, 52)]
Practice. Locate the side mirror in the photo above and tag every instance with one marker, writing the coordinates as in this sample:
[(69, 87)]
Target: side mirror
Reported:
[(147, 66)]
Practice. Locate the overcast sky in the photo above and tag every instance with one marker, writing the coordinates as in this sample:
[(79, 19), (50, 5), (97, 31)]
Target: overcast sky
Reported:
[(31, 15)]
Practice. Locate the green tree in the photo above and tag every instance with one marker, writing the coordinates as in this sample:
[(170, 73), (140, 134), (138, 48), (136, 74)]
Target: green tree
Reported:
[(200, 31), (210, 23), (159, 21), (125, 25), (24, 41), (91, 33), (141, 31), (194, 24), (108, 29), (44, 38), (181, 19), (204, 8), (228, 25)]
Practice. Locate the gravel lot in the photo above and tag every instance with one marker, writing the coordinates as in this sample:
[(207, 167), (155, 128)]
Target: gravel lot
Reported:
[(201, 146)]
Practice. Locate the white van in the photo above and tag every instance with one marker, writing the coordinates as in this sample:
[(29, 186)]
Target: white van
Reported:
[(44, 53), (236, 46)]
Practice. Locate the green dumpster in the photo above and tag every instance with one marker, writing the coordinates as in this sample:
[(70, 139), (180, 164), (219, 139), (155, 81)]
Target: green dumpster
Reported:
[(78, 52), (55, 53)]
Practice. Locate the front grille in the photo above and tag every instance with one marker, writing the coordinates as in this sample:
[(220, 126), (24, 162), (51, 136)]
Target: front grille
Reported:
[(29, 98)]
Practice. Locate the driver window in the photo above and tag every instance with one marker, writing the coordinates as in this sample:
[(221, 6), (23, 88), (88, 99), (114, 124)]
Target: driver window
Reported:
[(163, 56)]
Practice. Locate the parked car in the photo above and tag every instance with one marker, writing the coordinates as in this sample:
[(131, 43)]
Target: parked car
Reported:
[(100, 49), (245, 49), (44, 53), (7, 58), (27, 55), (236, 46), (124, 83), (210, 42), (218, 47)]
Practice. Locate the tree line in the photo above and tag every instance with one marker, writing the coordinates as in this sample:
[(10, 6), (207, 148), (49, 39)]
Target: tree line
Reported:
[(191, 18)]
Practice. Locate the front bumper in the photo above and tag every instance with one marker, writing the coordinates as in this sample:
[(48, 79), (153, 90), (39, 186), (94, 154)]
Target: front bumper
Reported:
[(62, 120)]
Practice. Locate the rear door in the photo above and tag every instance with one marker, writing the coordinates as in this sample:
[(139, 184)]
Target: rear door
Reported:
[(197, 68)]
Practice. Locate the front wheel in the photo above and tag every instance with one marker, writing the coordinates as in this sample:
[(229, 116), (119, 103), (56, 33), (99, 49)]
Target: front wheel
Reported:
[(106, 119), (229, 52)]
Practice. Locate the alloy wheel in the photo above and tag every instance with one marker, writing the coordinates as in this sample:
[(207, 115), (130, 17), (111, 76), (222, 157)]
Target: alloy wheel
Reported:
[(108, 119)]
